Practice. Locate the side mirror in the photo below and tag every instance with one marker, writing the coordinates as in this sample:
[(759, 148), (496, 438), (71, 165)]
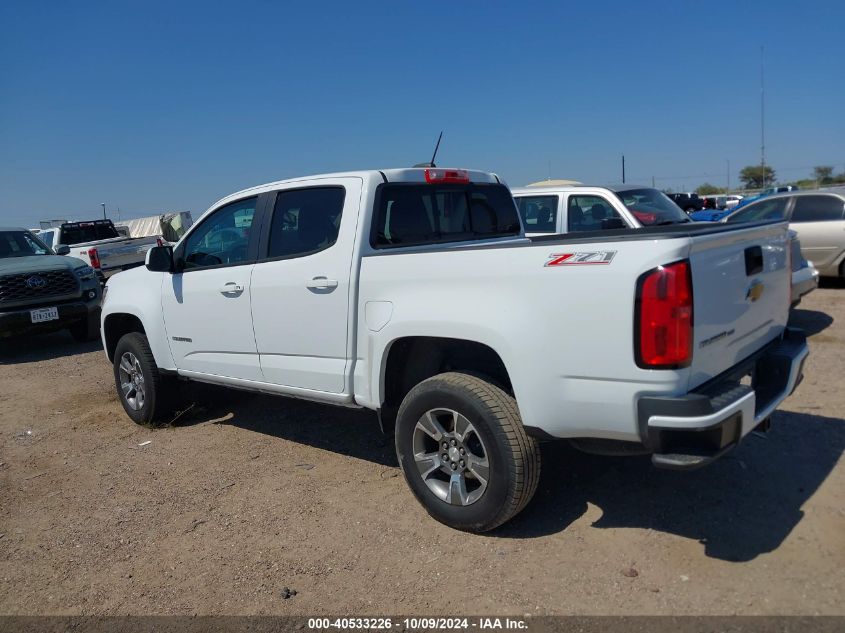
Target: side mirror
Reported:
[(64, 249), (160, 259), (612, 223)]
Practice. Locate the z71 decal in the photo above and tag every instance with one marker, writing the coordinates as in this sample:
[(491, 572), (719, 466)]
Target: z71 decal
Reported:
[(576, 259)]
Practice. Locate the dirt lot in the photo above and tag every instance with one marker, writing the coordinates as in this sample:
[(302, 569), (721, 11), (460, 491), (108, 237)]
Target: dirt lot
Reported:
[(250, 494)]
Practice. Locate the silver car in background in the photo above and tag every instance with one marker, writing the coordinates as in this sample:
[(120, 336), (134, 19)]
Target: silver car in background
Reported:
[(818, 217)]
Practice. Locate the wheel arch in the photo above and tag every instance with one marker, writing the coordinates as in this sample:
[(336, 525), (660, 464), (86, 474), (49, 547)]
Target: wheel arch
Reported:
[(117, 325), (408, 360)]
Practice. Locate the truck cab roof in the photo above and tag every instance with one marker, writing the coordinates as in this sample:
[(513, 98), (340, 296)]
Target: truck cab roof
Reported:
[(400, 174)]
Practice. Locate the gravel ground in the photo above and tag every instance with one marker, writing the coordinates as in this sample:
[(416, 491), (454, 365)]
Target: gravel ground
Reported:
[(247, 495)]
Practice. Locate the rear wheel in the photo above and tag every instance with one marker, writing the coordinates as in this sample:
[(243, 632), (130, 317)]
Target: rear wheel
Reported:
[(464, 452), (146, 395)]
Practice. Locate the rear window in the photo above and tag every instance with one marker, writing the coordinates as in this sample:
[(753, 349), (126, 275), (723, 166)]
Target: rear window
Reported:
[(651, 207), (410, 214), (817, 209), (539, 213), (87, 232)]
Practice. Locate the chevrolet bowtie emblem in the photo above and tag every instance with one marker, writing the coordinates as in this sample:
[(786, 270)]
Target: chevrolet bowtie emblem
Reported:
[(755, 291)]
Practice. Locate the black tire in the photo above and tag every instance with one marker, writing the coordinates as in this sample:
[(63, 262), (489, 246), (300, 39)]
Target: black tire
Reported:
[(513, 456), (86, 330), (157, 407)]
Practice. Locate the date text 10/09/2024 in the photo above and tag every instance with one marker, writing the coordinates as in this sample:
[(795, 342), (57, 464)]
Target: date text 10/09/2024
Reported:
[(417, 623)]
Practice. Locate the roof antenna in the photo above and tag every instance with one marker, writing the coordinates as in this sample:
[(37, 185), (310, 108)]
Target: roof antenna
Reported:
[(434, 155)]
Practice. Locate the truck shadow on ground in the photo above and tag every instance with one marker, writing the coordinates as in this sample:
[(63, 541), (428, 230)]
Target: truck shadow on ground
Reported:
[(351, 432), (742, 506), (811, 321), (32, 349)]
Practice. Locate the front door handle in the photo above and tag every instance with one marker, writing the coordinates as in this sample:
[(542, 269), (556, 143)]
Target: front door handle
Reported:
[(322, 283), (231, 288)]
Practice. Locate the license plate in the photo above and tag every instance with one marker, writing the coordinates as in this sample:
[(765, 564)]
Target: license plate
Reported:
[(44, 314)]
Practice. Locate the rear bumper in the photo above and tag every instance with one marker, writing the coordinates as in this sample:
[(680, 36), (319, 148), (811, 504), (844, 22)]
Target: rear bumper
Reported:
[(18, 322), (693, 430), (804, 280)]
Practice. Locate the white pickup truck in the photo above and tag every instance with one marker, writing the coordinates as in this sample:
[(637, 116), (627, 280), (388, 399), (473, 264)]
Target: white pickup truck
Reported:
[(99, 243), (414, 293)]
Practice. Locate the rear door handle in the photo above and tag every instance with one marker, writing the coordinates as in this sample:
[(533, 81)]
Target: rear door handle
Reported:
[(231, 288), (322, 283)]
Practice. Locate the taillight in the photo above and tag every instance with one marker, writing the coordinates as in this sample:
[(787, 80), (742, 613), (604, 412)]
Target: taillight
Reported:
[(94, 256), (663, 321), (789, 270), (433, 176)]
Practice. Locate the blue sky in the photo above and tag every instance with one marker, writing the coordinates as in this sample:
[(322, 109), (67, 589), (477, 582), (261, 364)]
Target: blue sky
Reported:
[(153, 106)]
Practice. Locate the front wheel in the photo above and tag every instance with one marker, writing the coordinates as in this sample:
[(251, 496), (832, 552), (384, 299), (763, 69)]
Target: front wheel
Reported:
[(145, 394), (464, 452)]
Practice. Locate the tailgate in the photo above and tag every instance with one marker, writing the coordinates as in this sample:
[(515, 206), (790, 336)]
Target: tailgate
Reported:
[(742, 288), (130, 252)]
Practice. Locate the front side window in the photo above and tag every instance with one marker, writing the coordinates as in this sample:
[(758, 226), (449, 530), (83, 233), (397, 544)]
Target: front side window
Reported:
[(539, 213), (588, 213), (305, 221), (222, 238), (766, 209), (817, 209), (428, 214)]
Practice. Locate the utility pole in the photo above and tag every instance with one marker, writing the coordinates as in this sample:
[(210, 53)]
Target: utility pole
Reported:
[(652, 182), (623, 169), (762, 123), (728, 161), (103, 204)]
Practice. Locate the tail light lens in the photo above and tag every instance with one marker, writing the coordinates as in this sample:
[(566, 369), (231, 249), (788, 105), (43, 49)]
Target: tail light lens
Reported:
[(790, 263), (663, 321), (435, 176), (94, 256)]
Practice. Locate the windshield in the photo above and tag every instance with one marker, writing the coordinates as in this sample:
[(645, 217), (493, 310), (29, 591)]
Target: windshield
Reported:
[(652, 207), (21, 244), (766, 209), (87, 232)]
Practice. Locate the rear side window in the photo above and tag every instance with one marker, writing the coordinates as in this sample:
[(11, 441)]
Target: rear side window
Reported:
[(817, 209), (588, 213), (771, 209), (305, 221), (429, 214), (539, 213)]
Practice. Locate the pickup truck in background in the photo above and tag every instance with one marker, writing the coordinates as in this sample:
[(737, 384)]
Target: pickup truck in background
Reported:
[(415, 293), (43, 292), (98, 243), (689, 202)]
